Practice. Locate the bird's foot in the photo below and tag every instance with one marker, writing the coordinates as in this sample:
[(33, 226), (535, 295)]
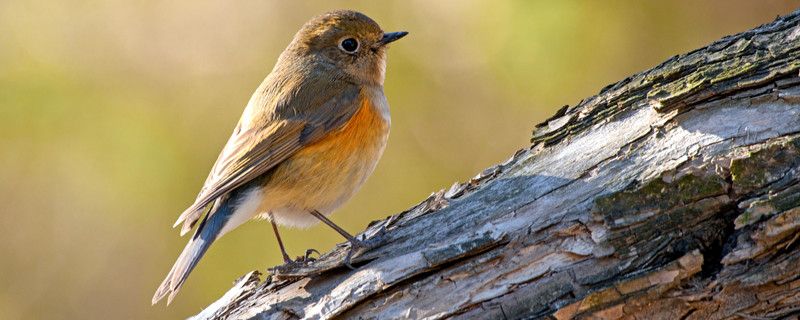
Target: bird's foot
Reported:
[(357, 244), (299, 261), (307, 257)]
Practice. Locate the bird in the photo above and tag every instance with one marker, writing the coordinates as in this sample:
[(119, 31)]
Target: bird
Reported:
[(309, 137)]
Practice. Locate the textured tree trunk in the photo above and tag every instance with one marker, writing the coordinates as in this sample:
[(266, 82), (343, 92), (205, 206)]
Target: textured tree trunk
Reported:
[(672, 194)]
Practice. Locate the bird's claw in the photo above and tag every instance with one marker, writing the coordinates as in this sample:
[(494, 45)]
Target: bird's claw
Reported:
[(307, 257), (289, 264), (357, 244)]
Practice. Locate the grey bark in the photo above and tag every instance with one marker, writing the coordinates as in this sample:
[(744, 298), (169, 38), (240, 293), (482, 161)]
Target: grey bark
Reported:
[(672, 194)]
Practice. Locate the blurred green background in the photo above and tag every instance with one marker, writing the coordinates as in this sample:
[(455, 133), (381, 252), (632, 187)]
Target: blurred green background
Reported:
[(112, 113)]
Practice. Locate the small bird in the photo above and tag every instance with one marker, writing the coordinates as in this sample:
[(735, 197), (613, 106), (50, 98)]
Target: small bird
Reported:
[(308, 139)]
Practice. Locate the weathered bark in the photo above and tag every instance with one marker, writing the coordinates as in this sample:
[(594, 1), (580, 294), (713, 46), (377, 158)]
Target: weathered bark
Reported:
[(672, 194)]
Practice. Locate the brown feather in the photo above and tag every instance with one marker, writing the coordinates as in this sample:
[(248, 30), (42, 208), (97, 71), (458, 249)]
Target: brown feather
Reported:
[(252, 152)]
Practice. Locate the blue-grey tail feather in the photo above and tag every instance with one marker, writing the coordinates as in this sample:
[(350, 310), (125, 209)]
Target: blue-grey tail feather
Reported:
[(207, 232)]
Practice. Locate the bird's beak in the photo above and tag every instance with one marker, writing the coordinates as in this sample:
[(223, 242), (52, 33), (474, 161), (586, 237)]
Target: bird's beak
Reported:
[(391, 37)]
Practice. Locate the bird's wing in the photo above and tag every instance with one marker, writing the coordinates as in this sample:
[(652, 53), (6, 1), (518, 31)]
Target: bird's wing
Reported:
[(251, 152)]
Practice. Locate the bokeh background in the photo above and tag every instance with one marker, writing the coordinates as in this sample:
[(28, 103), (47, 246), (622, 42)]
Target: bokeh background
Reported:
[(112, 113)]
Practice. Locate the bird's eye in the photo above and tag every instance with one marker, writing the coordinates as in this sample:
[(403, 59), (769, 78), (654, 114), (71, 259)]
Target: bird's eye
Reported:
[(349, 45)]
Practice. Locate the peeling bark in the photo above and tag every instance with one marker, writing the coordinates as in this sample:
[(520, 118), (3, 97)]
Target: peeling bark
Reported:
[(672, 194)]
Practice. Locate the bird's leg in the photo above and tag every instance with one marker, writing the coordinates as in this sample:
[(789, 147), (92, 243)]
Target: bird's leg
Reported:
[(355, 244), (288, 263), (286, 259)]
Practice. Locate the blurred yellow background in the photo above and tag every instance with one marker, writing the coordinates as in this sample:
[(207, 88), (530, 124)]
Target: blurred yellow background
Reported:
[(112, 113)]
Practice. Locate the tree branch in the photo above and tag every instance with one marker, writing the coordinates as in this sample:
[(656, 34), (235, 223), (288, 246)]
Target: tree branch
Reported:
[(674, 193)]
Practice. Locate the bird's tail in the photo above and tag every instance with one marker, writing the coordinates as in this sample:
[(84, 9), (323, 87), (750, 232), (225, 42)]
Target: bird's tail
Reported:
[(208, 231)]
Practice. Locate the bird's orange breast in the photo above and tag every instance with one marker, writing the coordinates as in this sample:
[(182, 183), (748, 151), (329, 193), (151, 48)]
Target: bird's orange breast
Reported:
[(365, 129), (325, 174)]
